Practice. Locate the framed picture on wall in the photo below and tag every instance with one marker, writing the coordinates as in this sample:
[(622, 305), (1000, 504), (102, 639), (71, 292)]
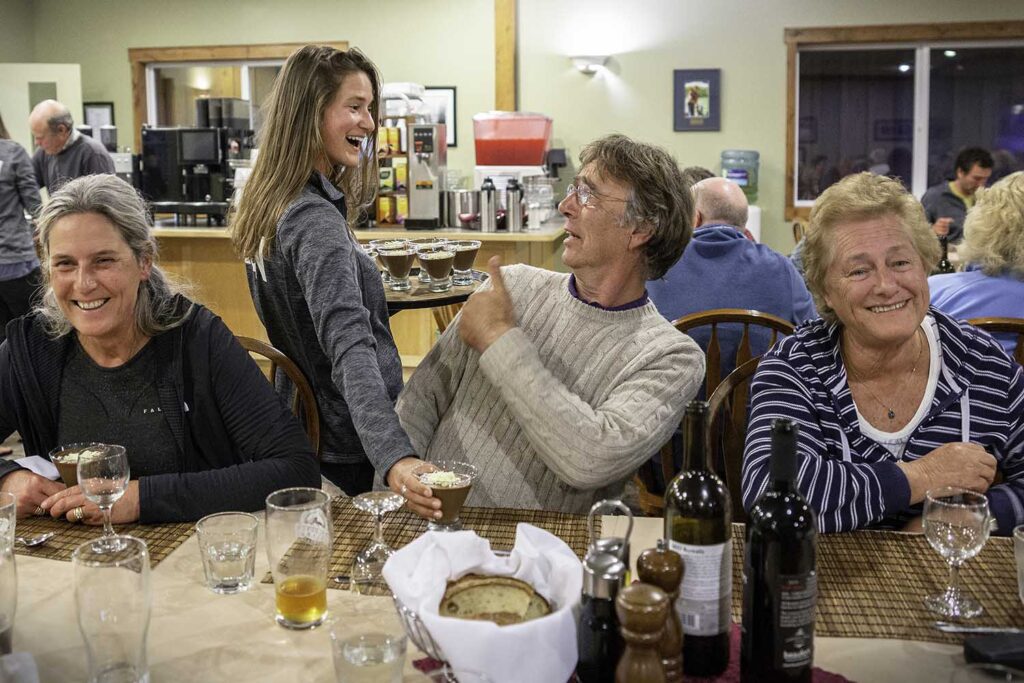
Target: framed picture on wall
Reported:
[(98, 114), (440, 101), (697, 99)]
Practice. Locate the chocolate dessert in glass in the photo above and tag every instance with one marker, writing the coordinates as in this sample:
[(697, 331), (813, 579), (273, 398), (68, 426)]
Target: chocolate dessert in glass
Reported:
[(449, 482), (465, 255)]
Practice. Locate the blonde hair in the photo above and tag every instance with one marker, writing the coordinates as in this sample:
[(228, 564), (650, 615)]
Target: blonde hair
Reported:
[(858, 197), (291, 145), (994, 228), (156, 306)]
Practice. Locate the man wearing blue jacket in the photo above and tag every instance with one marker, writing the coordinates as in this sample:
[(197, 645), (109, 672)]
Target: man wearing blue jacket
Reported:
[(722, 268)]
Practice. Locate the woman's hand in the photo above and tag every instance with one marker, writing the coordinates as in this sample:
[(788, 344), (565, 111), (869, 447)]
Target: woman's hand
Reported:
[(64, 504), (31, 490), (966, 465), (418, 497)]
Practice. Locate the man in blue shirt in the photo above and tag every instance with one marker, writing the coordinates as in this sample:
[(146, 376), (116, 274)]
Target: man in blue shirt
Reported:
[(721, 268)]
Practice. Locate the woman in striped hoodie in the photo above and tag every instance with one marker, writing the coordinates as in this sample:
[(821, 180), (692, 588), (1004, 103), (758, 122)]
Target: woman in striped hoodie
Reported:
[(893, 398)]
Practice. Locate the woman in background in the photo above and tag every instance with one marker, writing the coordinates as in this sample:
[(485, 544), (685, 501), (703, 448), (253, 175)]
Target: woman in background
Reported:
[(992, 282), (20, 275), (318, 294)]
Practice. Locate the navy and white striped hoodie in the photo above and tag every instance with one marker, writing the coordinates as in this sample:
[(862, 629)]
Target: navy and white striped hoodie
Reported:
[(849, 479)]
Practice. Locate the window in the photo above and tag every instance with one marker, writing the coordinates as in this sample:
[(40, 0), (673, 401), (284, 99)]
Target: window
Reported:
[(901, 101)]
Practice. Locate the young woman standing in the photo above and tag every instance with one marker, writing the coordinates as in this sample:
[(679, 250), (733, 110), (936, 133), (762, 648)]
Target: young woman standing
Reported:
[(318, 294)]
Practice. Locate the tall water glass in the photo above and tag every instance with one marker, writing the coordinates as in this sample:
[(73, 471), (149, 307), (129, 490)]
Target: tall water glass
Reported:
[(8, 572), (1018, 555), (299, 551), (113, 598), (957, 523), (103, 477)]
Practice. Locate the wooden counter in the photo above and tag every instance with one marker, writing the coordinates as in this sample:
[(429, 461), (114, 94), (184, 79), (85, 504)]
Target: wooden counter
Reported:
[(205, 258)]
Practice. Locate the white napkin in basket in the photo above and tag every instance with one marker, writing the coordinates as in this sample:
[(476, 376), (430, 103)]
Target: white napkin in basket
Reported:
[(542, 650)]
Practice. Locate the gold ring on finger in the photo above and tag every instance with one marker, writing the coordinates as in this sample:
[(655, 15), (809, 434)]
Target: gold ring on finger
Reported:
[(39, 511), (79, 513)]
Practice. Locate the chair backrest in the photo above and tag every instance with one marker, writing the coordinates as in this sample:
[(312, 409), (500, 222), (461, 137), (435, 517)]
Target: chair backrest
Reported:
[(444, 315), (1011, 325), (799, 231), (303, 402), (727, 431), (719, 316)]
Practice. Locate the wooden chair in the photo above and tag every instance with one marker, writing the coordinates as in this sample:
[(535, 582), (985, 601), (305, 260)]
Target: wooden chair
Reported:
[(1011, 325), (304, 404), (444, 315), (727, 431), (647, 483), (799, 231), (719, 316)]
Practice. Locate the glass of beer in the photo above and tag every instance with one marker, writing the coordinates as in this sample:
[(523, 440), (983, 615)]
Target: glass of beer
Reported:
[(299, 551)]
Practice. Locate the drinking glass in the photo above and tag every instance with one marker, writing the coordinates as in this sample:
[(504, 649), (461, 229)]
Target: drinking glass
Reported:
[(227, 543), (369, 563), (398, 262), (957, 523), (426, 242), (465, 255), (299, 550), (113, 599), (1018, 554), (8, 571), (449, 482), (377, 246), (103, 477), (368, 657), (436, 261)]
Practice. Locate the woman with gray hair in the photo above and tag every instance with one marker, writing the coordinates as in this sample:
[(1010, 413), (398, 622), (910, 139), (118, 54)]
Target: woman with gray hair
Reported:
[(116, 354), (992, 282), (892, 398)]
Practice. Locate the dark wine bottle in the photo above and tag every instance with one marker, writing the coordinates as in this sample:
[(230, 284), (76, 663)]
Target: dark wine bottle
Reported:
[(698, 526), (780, 586), (944, 265)]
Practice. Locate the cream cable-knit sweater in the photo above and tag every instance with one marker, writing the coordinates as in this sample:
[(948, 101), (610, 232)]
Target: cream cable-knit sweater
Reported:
[(560, 411)]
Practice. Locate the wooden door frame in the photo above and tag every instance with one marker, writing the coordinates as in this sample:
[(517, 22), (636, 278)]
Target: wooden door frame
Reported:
[(141, 57)]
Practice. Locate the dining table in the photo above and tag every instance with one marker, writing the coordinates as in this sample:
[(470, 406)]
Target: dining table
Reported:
[(868, 630)]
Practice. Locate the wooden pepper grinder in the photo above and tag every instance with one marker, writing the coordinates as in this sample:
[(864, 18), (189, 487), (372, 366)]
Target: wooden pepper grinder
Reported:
[(663, 568), (642, 610)]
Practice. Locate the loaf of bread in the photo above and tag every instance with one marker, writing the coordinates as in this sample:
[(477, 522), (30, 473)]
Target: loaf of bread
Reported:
[(500, 599)]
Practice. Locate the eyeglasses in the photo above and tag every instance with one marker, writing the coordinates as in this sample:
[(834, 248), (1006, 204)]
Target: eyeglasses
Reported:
[(584, 193)]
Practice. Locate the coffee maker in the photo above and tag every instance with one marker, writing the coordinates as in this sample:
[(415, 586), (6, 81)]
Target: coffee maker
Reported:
[(428, 162), (185, 165)]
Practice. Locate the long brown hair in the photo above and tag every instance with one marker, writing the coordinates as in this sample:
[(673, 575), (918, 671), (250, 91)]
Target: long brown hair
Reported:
[(290, 145), (4, 135)]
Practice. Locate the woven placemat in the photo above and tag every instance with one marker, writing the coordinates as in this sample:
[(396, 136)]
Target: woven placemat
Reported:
[(353, 530), (872, 584), (161, 539)]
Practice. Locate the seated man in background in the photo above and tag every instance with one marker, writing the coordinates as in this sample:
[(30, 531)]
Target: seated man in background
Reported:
[(992, 282), (946, 204), (64, 154), (723, 269), (557, 386)]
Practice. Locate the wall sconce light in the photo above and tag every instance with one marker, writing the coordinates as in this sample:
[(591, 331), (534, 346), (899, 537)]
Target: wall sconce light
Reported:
[(589, 64)]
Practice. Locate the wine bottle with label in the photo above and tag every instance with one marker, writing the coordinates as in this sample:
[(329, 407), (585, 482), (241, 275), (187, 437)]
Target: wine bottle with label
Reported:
[(780, 587), (698, 526)]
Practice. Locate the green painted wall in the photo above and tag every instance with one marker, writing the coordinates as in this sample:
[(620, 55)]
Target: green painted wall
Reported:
[(451, 42), (16, 31)]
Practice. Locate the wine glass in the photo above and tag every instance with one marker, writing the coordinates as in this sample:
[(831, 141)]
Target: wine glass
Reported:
[(450, 482), (103, 477), (957, 523), (369, 563)]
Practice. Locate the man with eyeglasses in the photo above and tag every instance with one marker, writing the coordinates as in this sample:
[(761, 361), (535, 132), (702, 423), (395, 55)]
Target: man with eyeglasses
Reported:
[(558, 386)]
